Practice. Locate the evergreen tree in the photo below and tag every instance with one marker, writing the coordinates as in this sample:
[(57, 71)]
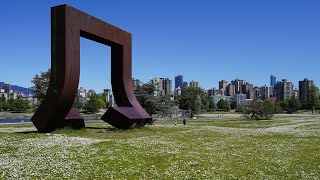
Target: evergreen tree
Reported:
[(92, 105)]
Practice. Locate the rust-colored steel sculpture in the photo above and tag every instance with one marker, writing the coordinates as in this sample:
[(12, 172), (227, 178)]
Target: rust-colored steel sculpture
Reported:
[(67, 26)]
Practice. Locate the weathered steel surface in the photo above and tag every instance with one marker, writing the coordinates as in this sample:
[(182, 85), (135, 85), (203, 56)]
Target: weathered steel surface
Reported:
[(67, 26)]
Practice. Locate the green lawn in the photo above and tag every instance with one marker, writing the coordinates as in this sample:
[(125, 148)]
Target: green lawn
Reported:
[(283, 148)]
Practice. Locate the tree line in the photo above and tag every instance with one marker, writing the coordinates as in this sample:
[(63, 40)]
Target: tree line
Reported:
[(14, 105)]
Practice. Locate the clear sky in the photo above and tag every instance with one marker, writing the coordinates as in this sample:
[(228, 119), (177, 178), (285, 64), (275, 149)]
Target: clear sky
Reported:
[(205, 40)]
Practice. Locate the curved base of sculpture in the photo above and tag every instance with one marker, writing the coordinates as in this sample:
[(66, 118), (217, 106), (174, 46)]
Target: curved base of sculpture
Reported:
[(126, 117), (49, 124)]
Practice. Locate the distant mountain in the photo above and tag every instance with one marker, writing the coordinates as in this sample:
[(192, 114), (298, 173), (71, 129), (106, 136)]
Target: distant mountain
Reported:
[(18, 88)]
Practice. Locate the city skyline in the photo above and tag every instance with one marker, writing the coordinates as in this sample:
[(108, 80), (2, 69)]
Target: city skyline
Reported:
[(206, 41)]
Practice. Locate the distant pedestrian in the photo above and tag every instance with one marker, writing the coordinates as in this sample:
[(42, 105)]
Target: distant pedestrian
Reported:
[(184, 122)]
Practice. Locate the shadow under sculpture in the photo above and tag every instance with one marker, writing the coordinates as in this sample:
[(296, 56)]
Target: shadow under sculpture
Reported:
[(67, 26)]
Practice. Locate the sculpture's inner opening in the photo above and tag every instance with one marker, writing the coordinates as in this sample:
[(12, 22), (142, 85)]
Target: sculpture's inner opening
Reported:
[(95, 70)]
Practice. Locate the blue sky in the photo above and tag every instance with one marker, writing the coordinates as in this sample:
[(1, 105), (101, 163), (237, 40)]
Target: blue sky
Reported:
[(205, 40)]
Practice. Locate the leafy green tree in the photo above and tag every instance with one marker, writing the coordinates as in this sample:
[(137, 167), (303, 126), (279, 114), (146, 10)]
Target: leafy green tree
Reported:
[(166, 105), (188, 97), (19, 105), (259, 110), (160, 105), (284, 104), (212, 106), (313, 98), (223, 105), (278, 108), (102, 100), (293, 105), (92, 105), (146, 98), (41, 84), (102, 104)]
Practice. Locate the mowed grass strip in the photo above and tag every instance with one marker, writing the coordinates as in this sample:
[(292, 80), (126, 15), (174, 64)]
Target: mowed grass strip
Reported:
[(203, 149)]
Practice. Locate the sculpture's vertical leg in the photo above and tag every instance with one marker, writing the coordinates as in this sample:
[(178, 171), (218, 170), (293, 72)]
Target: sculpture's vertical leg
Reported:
[(65, 68)]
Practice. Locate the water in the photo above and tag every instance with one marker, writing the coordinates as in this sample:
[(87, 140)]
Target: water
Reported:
[(9, 121)]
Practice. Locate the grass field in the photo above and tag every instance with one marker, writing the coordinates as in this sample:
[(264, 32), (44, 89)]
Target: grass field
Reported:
[(287, 147)]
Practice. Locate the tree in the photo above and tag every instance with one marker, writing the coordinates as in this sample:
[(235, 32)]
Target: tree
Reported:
[(313, 97), (212, 106), (92, 105), (188, 97), (285, 104), (223, 105), (41, 84), (102, 100), (293, 105), (166, 105), (77, 103), (153, 104), (102, 104), (278, 108), (19, 105), (259, 110)]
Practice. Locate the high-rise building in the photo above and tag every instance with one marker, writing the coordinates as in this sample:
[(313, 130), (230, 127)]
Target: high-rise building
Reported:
[(222, 92), (238, 85), (184, 84), (231, 90), (266, 91), (246, 88), (273, 80), (304, 89), (295, 93), (223, 84), (157, 82), (283, 90), (167, 86), (212, 92), (177, 92), (256, 92), (251, 94), (194, 83), (178, 81)]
